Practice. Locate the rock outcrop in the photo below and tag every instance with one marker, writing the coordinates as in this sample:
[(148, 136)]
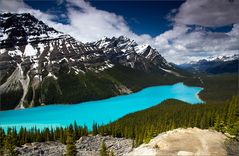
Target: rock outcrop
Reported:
[(190, 141), (86, 146)]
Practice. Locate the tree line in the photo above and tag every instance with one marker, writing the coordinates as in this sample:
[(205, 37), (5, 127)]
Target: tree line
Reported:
[(66, 135), (140, 126), (171, 114)]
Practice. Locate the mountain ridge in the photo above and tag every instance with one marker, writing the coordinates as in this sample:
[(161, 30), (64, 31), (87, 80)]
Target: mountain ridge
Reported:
[(214, 65), (39, 60)]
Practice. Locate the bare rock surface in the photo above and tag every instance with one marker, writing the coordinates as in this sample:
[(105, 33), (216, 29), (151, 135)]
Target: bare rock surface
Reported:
[(49, 148), (86, 146), (190, 141)]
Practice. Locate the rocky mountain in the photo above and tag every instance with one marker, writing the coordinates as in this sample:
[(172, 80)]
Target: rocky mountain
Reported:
[(127, 52), (40, 65), (214, 65)]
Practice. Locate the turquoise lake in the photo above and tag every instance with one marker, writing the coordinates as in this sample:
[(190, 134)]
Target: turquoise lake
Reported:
[(100, 111)]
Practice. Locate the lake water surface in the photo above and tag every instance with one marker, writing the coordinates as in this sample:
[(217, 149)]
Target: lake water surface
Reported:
[(101, 111)]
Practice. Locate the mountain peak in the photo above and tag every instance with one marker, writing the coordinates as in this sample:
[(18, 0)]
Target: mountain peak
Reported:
[(142, 48), (122, 43), (22, 35), (33, 53), (20, 29), (214, 65)]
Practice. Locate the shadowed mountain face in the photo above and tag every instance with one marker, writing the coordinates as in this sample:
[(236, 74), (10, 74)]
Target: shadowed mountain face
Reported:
[(40, 65)]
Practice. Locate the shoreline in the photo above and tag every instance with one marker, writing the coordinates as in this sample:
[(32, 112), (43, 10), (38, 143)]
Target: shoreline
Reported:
[(198, 96), (139, 101)]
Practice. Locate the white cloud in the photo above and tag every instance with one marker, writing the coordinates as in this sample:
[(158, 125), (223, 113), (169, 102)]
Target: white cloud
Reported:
[(208, 13), (186, 45), (20, 7), (178, 45), (93, 23), (87, 23), (12, 6)]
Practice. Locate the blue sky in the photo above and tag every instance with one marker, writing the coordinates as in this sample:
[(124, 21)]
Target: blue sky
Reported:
[(182, 31), (142, 16), (150, 17)]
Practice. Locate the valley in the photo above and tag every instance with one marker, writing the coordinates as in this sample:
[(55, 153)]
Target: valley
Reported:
[(104, 112), (44, 59)]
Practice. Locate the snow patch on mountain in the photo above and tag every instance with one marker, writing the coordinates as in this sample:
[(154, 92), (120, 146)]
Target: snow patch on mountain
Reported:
[(43, 52), (30, 50), (15, 52), (25, 81), (171, 72), (50, 74), (224, 58), (218, 58), (140, 49)]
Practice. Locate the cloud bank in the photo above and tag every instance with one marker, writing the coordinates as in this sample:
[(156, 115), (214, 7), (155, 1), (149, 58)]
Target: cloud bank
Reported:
[(209, 13), (188, 40)]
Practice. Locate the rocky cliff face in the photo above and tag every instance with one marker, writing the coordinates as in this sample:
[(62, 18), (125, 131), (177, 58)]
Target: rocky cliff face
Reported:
[(35, 59), (127, 52)]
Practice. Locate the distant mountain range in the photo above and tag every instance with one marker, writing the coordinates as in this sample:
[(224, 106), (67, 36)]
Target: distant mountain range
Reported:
[(214, 65), (40, 65)]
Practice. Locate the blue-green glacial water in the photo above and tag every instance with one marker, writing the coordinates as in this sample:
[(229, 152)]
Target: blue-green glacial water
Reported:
[(101, 111)]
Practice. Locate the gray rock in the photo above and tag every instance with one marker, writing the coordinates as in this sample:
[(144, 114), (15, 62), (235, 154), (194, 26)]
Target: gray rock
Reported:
[(86, 146)]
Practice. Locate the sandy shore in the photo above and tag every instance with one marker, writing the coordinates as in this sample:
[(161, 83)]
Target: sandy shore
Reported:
[(190, 141)]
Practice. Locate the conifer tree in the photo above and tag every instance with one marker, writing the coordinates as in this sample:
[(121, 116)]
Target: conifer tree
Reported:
[(76, 131), (47, 134), (62, 136), (111, 153), (2, 140), (133, 143), (103, 149), (9, 143), (70, 142), (95, 129)]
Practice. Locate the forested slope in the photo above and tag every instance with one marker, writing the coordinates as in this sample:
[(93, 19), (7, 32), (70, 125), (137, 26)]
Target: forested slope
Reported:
[(220, 111)]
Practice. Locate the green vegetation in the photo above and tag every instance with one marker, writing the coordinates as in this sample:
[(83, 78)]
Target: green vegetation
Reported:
[(140, 126), (9, 142), (171, 114), (111, 153), (70, 142), (103, 149), (66, 135), (10, 100), (138, 79), (2, 139), (217, 88), (220, 112), (74, 88)]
